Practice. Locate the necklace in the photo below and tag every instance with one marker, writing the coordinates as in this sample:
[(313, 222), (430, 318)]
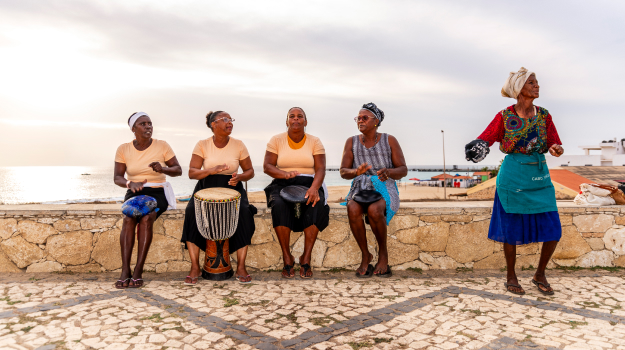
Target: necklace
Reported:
[(375, 139)]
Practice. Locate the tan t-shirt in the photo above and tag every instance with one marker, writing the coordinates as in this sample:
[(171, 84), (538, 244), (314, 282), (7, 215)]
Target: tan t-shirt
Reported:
[(137, 161), (234, 152), (296, 159)]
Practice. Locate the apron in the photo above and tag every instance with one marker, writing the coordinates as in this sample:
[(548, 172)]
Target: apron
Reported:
[(524, 185)]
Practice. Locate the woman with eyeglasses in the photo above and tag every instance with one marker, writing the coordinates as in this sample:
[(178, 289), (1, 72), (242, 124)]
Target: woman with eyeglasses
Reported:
[(297, 158), (215, 163), (374, 161)]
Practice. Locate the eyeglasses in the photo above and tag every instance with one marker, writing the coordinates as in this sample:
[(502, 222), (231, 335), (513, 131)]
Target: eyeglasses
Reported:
[(225, 119), (363, 118)]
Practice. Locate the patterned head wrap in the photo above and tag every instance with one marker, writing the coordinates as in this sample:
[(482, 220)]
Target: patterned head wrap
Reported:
[(378, 113), (514, 84)]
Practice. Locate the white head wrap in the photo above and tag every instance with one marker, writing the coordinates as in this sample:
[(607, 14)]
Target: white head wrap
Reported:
[(514, 84), (134, 117)]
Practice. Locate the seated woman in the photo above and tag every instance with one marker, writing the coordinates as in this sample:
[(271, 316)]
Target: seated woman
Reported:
[(374, 161), (142, 160), (297, 158), (214, 163)]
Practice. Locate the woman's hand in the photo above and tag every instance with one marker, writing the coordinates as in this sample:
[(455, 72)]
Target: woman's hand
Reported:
[(312, 195), (136, 186), (157, 167), (363, 168), (383, 174), (235, 179), (219, 168), (556, 150), (290, 174)]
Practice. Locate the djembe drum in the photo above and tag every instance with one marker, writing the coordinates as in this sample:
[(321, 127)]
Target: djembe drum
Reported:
[(217, 217)]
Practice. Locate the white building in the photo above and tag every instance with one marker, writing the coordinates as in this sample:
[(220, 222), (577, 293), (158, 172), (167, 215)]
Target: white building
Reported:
[(612, 154)]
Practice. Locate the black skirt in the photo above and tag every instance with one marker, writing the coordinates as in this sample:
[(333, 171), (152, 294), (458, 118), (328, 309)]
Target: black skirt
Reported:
[(245, 228), (156, 193), (283, 212)]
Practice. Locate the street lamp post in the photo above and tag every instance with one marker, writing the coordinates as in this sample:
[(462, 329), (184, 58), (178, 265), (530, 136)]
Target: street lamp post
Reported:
[(444, 168)]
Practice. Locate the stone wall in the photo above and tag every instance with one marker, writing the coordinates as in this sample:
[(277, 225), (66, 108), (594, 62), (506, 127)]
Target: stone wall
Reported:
[(420, 236)]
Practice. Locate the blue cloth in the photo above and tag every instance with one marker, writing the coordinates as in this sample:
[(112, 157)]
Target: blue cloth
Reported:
[(524, 185), (380, 187), (139, 206), (517, 229)]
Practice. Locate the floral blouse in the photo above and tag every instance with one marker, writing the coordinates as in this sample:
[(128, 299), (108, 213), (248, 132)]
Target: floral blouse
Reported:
[(522, 135)]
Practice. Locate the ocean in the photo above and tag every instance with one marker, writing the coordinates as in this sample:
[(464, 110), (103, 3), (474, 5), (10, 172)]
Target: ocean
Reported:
[(78, 184)]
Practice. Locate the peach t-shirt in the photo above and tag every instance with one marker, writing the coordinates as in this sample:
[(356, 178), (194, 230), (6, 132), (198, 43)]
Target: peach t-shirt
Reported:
[(234, 151), (137, 161), (296, 159)]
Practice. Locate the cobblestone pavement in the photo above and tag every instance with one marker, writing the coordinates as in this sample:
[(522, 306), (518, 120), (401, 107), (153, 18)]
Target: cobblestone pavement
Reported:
[(433, 310)]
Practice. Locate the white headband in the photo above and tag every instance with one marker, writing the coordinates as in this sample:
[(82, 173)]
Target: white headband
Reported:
[(134, 117)]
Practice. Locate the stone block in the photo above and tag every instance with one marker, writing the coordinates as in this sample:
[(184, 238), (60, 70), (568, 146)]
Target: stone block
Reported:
[(571, 245), (161, 268), (565, 262), (67, 225), (337, 231), (412, 264), (72, 248), (430, 218), (620, 261), (21, 252), (263, 233), (566, 219), (175, 266), (294, 237), (35, 232), (97, 223), (6, 265), (469, 242), (431, 238), (614, 240), (401, 222), (162, 249), (264, 255), (348, 253), (86, 268), (173, 228), (619, 220), (596, 258), (318, 251), (107, 251), (46, 266), (442, 262), (598, 223), (527, 260), (596, 243), (527, 249), (456, 218), (400, 253), (494, 261), (7, 228)]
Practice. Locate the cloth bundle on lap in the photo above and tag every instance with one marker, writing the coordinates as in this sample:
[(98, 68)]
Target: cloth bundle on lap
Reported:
[(139, 206)]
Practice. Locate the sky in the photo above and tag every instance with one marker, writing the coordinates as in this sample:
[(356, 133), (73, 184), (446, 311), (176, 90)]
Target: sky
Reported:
[(72, 72)]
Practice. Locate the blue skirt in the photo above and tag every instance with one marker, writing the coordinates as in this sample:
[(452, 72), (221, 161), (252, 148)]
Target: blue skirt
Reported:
[(517, 229)]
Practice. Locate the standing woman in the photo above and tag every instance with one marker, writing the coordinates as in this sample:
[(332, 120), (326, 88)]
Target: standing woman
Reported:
[(143, 161), (215, 163), (525, 208), (374, 161), (297, 158)]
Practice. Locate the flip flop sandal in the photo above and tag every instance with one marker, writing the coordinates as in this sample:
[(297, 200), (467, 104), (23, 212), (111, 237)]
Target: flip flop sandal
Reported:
[(538, 284), (306, 268), (287, 269), (387, 274), (367, 274), (242, 279), (197, 280), (136, 284), (121, 286), (508, 285)]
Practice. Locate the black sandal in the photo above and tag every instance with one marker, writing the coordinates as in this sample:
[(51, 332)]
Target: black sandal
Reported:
[(367, 274), (306, 268), (508, 285), (386, 274), (545, 292), (287, 269)]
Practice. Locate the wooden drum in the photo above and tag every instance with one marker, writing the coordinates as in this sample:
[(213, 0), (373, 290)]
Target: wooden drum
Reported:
[(217, 217)]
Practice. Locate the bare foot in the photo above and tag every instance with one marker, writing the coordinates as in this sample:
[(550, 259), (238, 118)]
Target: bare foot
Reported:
[(382, 266), (364, 265), (305, 272), (512, 283), (288, 271), (545, 285)]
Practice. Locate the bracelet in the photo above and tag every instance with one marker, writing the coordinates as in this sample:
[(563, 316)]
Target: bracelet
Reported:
[(128, 183)]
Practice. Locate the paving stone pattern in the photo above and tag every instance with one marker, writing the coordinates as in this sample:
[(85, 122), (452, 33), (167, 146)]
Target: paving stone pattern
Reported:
[(335, 313)]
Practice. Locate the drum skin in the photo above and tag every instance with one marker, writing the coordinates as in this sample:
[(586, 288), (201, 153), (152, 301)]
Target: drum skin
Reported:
[(217, 265)]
